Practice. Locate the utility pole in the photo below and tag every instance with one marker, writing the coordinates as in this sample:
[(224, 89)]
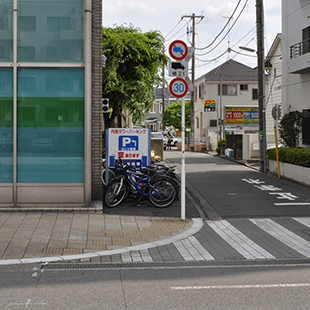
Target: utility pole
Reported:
[(261, 84), (193, 18)]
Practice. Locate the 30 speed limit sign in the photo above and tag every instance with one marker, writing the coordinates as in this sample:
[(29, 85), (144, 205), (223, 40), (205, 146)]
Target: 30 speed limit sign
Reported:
[(178, 87)]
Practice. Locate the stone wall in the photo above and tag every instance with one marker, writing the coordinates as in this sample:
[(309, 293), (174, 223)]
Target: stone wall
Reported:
[(96, 99)]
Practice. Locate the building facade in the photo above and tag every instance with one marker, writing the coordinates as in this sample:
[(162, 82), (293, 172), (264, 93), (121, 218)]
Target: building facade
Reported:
[(296, 60), (273, 64), (225, 91), (50, 102)]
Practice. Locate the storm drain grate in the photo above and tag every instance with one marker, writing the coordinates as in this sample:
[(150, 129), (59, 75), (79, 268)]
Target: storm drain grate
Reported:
[(176, 264)]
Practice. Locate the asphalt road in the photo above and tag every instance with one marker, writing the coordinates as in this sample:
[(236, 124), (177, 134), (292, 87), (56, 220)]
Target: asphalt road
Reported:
[(235, 190), (226, 287)]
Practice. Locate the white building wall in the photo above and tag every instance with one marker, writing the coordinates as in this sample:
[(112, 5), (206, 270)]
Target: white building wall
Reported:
[(274, 90), (296, 87), (210, 135)]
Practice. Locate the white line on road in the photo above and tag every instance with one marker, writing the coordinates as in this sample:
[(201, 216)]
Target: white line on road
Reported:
[(292, 204), (221, 287), (240, 242), (284, 235)]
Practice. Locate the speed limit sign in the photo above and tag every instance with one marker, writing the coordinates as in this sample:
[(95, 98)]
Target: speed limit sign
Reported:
[(178, 87)]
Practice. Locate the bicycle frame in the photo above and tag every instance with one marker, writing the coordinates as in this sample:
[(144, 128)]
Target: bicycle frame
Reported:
[(128, 175)]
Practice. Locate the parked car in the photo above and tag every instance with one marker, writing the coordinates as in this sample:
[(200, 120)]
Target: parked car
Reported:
[(175, 139)]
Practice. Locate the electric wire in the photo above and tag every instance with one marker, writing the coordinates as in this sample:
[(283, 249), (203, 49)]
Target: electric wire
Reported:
[(227, 31), (203, 48)]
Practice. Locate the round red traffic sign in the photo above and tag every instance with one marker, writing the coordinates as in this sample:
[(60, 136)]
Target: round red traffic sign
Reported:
[(178, 50), (178, 87)]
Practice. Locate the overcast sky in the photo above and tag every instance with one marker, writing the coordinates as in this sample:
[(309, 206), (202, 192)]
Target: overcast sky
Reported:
[(166, 17)]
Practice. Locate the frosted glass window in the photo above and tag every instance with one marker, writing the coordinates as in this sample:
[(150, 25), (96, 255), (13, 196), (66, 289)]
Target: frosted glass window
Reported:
[(6, 30), (51, 31)]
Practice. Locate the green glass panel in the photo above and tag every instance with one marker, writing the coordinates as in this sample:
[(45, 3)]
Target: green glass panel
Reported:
[(50, 118), (6, 26), (6, 125), (51, 31)]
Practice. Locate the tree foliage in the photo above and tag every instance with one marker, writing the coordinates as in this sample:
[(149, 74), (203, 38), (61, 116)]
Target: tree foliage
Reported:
[(132, 68), (290, 128), (173, 115)]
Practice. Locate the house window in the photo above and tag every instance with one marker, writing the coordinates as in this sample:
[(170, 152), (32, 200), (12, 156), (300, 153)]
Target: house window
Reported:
[(306, 127), (201, 91), (243, 87), (306, 40), (254, 94), (153, 108), (227, 90), (213, 123)]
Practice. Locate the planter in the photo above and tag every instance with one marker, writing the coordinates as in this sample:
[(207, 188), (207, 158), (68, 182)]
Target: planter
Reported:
[(292, 172), (179, 146)]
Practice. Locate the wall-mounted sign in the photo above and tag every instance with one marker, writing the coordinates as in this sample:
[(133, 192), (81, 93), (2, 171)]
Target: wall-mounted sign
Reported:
[(242, 115), (209, 105)]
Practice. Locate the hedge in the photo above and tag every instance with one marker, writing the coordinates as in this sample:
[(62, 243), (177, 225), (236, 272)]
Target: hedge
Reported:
[(294, 156)]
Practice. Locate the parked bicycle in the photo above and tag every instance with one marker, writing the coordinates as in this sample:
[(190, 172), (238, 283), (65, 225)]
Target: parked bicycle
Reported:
[(103, 172), (159, 188)]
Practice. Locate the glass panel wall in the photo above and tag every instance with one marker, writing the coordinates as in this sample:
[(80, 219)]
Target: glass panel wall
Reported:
[(6, 31), (50, 125), (6, 125), (51, 31)]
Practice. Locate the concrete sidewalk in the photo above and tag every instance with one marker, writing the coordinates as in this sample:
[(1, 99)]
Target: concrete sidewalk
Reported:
[(29, 237)]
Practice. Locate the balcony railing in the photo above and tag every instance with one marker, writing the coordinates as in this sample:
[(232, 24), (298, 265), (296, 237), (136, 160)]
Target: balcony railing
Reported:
[(300, 48)]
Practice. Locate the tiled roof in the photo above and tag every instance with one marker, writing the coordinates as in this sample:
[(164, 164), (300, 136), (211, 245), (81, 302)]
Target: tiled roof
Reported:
[(232, 70)]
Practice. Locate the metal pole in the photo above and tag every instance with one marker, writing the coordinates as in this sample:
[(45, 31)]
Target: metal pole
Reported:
[(183, 179), (261, 81), (192, 141)]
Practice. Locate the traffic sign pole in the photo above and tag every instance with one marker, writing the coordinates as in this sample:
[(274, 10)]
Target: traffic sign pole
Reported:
[(183, 178), (178, 88)]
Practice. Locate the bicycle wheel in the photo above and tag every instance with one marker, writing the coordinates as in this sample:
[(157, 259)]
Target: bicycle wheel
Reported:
[(115, 193), (111, 175), (165, 194)]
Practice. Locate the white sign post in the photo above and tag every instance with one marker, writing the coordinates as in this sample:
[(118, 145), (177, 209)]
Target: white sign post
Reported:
[(178, 88)]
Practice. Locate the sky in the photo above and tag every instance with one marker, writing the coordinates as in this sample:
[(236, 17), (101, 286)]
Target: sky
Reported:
[(169, 17)]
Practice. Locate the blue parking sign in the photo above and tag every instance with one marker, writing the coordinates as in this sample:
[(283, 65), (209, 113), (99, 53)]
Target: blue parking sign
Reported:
[(128, 143)]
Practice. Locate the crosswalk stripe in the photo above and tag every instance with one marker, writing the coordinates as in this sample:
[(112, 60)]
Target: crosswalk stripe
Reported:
[(205, 254), (240, 242), (284, 235), (183, 251), (303, 220)]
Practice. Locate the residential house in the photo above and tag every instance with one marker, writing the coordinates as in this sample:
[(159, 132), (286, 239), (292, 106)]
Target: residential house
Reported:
[(273, 65), (226, 104), (296, 60), (153, 117)]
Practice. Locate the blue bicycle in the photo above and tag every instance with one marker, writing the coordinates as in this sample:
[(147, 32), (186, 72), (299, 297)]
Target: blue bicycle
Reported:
[(159, 189)]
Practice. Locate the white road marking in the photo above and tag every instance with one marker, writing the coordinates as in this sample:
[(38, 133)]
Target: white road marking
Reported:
[(284, 235), (240, 242), (222, 287)]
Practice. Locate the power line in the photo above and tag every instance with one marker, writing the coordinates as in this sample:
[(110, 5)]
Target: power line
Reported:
[(203, 48), (222, 31)]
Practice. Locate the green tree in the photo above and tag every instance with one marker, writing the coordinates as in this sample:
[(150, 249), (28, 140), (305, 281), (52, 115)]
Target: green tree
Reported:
[(131, 74), (173, 115), (290, 128)]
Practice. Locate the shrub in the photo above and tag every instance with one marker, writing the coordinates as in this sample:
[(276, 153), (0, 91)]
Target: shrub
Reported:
[(220, 143), (294, 156), (291, 128)]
